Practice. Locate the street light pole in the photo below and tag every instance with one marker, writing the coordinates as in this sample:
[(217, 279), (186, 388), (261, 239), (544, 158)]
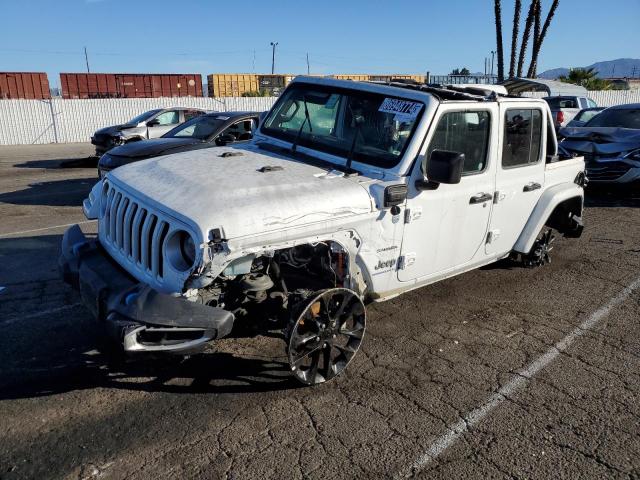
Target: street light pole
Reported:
[(273, 57)]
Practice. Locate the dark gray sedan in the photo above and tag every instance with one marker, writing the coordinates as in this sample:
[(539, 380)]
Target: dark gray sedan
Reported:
[(610, 144), (206, 131)]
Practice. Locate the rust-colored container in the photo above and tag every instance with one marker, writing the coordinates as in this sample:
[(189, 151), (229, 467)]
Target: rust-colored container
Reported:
[(231, 84), (130, 85), (358, 77), (388, 78), (29, 85)]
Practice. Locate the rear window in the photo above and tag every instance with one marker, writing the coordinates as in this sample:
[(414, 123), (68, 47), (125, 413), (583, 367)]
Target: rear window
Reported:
[(562, 102)]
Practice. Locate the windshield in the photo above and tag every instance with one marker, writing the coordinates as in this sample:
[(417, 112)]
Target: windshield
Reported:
[(143, 116), (374, 127), (621, 118), (200, 127)]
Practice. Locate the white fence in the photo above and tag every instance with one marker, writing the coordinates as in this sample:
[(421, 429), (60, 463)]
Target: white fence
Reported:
[(26, 122), (608, 98)]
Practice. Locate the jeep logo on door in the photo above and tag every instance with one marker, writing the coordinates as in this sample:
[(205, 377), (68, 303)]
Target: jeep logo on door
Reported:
[(385, 264)]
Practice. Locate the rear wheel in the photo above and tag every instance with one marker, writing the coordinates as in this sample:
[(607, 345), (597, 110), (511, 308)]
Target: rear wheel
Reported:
[(540, 253), (326, 335)]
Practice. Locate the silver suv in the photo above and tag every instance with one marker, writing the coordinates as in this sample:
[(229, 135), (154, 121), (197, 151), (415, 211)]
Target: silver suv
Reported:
[(151, 124)]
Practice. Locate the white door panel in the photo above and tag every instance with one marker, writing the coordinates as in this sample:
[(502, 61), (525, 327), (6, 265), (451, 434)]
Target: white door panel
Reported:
[(447, 227)]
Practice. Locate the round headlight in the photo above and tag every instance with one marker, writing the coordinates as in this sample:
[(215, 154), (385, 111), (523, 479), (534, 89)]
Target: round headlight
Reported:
[(188, 249), (181, 250)]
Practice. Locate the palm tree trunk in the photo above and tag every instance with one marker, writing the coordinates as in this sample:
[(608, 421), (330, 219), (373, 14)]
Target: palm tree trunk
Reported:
[(536, 39), (526, 35), (514, 38), (541, 35), (498, 14)]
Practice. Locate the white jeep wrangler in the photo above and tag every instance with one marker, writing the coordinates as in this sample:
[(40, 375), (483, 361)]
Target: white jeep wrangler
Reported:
[(350, 192)]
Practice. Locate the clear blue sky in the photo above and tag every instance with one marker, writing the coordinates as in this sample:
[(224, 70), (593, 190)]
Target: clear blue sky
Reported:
[(356, 36)]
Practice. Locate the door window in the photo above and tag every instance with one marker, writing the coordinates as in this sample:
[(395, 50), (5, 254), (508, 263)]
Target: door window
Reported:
[(241, 130), (583, 103), (522, 137), (465, 132), (168, 118), (591, 103)]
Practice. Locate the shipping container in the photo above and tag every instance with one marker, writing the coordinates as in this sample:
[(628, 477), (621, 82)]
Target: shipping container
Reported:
[(29, 85), (274, 85), (231, 84), (357, 77), (388, 78), (130, 85)]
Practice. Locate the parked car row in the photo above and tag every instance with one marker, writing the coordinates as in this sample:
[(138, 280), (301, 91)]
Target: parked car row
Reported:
[(203, 131)]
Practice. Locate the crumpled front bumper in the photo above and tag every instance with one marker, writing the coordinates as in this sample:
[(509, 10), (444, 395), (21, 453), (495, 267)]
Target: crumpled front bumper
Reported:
[(138, 317)]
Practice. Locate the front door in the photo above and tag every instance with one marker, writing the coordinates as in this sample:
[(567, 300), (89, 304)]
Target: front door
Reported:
[(162, 123), (519, 174), (447, 227)]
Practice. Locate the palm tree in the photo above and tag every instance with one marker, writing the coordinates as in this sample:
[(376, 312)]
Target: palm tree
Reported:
[(525, 36), (498, 18), (540, 35), (578, 75), (514, 38)]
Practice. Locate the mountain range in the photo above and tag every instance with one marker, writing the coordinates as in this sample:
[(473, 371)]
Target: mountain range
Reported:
[(622, 67)]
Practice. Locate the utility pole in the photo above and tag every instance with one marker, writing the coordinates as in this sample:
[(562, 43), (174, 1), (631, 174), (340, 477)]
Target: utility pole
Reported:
[(273, 57), (254, 61), (308, 68), (86, 59)]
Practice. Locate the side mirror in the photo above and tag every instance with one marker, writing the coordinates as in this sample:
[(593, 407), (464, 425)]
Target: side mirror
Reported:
[(153, 123), (224, 139), (442, 167)]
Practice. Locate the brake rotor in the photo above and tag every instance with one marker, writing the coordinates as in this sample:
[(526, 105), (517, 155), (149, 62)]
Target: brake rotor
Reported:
[(326, 335)]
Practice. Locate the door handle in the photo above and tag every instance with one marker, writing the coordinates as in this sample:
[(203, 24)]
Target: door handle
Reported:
[(531, 186), (480, 198)]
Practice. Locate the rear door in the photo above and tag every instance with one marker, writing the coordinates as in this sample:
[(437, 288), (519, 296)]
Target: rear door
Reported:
[(520, 173)]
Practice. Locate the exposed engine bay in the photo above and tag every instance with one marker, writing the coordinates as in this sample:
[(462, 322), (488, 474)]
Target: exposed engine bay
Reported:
[(264, 288)]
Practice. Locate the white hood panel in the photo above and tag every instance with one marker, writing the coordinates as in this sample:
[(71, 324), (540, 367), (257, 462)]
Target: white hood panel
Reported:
[(209, 191)]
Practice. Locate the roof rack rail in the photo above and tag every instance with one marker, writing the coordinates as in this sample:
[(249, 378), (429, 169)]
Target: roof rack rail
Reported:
[(447, 92)]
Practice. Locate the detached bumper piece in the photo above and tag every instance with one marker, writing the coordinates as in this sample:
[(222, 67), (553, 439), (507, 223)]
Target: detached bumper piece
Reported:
[(139, 318)]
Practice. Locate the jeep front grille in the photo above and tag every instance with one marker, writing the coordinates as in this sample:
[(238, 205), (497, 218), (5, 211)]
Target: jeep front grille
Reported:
[(134, 234)]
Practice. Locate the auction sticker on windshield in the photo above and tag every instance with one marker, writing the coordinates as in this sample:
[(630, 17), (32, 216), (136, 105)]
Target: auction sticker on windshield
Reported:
[(403, 109)]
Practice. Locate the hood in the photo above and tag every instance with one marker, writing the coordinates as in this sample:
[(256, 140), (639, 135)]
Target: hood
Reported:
[(153, 147), (600, 140), (238, 195), (114, 129)]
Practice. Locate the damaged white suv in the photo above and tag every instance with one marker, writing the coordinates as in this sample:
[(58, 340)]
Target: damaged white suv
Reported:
[(350, 192)]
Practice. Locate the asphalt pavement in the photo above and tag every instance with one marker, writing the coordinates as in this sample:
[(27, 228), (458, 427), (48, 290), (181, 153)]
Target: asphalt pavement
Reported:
[(503, 372)]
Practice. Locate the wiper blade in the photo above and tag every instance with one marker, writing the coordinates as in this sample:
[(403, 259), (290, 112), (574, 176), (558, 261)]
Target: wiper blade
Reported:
[(307, 119), (310, 159)]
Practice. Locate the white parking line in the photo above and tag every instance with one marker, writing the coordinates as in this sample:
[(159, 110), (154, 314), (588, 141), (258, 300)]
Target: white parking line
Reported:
[(3, 235), (456, 430), (9, 321)]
